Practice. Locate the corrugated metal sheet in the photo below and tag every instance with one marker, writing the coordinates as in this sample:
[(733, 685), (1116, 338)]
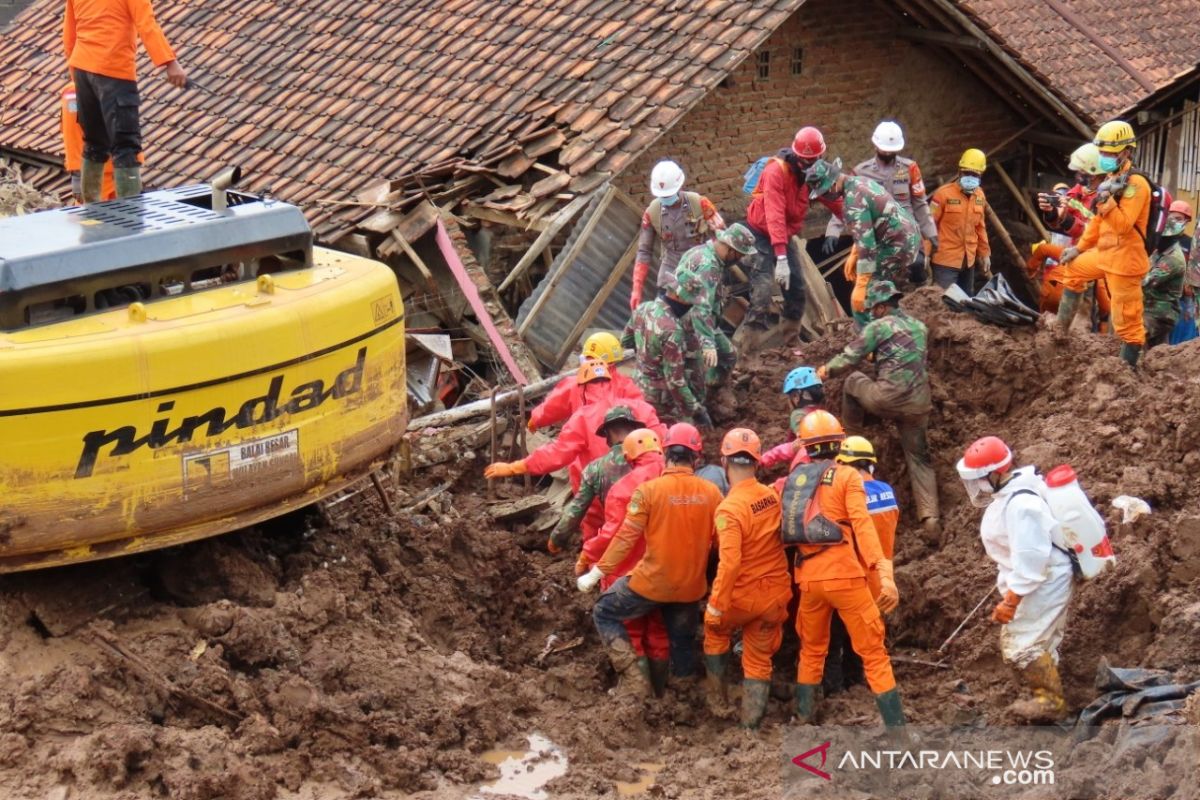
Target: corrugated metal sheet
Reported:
[(571, 296)]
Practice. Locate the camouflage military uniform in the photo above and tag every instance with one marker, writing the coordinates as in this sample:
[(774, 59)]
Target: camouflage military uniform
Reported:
[(660, 340), (598, 477), (699, 278), (1161, 289), (886, 234), (899, 392), (902, 180)]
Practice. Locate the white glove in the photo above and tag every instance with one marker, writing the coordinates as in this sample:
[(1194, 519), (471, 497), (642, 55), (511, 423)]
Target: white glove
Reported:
[(588, 580), (985, 264), (710, 357), (1069, 255), (783, 273)]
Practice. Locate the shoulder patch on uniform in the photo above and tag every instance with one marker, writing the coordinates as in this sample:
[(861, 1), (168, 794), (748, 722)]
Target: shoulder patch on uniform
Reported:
[(1130, 191), (722, 522), (827, 478)]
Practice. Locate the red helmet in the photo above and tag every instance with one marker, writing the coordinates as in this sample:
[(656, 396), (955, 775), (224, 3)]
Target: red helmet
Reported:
[(682, 434), (809, 143), (1181, 207), (983, 457)]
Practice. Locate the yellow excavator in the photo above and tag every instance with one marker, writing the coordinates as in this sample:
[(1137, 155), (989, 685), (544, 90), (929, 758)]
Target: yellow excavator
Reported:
[(182, 364)]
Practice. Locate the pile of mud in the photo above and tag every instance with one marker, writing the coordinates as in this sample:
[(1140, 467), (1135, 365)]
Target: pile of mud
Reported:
[(378, 657)]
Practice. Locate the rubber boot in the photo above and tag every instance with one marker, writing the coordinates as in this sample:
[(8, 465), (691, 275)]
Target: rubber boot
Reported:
[(128, 181), (754, 702), (1048, 703), (892, 711), (789, 332), (1130, 353), (91, 179), (1066, 311), (659, 669), (806, 702), (631, 681), (715, 697)]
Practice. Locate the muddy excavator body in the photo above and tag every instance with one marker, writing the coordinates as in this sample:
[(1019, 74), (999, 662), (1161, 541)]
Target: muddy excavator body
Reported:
[(181, 364)]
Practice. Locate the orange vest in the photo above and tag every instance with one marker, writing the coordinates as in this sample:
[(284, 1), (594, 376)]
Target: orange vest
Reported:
[(845, 502)]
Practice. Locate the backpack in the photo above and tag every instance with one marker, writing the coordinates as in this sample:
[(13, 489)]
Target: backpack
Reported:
[(754, 174), (1160, 202), (803, 520), (695, 213)]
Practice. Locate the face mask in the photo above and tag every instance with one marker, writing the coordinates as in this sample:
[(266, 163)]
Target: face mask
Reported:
[(969, 183), (979, 491), (670, 201), (1109, 163), (1174, 227), (885, 158)]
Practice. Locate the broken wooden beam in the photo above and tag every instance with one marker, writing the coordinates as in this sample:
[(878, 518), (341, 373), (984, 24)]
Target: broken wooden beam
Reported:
[(521, 507)]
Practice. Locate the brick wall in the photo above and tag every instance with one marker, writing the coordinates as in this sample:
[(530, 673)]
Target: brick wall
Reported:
[(855, 72)]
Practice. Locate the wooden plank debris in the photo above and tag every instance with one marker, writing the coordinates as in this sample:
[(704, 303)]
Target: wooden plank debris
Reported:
[(560, 221)]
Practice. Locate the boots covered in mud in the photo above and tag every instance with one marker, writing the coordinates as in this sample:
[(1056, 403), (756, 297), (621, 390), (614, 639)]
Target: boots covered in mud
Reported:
[(633, 676), (716, 697), (1048, 703), (755, 694)]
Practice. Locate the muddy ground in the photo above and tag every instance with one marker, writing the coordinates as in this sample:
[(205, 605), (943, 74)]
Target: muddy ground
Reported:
[(377, 657)]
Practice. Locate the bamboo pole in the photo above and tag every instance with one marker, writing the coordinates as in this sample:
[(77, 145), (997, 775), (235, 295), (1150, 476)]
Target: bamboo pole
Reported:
[(1034, 218)]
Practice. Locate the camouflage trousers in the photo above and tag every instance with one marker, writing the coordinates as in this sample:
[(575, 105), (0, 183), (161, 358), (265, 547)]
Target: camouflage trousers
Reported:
[(1158, 329)]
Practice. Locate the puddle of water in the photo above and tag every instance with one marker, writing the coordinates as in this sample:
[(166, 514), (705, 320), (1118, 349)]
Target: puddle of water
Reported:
[(524, 773), (650, 772)]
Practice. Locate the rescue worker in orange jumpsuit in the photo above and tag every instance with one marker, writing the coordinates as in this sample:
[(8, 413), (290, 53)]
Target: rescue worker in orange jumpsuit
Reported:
[(674, 513), (647, 634), (1067, 216), (960, 211), (752, 588), (843, 667), (73, 148), (569, 395), (832, 576), (1113, 245), (99, 40)]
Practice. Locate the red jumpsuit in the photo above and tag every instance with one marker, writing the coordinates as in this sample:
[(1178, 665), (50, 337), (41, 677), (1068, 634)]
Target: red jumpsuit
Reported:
[(648, 634), (568, 396)]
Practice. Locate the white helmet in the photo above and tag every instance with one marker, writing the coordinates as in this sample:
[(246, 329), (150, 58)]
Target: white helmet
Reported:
[(888, 137), (666, 179), (1086, 159)]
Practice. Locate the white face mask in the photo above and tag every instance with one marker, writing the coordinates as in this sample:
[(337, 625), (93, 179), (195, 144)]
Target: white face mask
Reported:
[(979, 491)]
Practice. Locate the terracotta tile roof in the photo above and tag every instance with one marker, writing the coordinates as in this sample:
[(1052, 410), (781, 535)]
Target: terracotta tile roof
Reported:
[(321, 101), (1100, 56)]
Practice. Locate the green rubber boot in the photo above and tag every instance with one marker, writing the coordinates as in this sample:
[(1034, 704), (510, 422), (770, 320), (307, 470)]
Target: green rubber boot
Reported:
[(754, 702), (1066, 310), (660, 668), (715, 696), (806, 702), (1130, 353), (91, 180), (892, 711), (128, 181)]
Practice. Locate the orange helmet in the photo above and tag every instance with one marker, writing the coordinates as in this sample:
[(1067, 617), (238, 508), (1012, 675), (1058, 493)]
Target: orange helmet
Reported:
[(592, 369), (640, 442), (1182, 207), (742, 441), (818, 427)]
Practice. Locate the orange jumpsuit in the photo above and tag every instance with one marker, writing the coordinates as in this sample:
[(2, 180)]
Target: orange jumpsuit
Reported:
[(833, 578), (73, 143), (962, 226), (675, 514), (752, 587), (1052, 280), (1112, 248)]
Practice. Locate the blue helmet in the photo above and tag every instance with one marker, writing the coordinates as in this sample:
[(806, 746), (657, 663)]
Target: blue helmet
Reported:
[(799, 379)]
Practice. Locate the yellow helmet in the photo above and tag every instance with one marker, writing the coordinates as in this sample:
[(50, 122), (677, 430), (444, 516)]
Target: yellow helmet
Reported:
[(973, 159), (604, 346), (856, 448), (1115, 136)]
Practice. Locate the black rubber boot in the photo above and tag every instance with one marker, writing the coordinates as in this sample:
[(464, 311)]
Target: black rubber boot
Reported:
[(1130, 354), (1066, 310), (659, 669), (806, 702), (892, 711), (754, 702)]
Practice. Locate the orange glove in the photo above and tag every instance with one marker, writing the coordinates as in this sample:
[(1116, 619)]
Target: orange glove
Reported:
[(823, 373), (640, 270), (1006, 608), (504, 469), (529, 426), (552, 548), (889, 595), (582, 565)]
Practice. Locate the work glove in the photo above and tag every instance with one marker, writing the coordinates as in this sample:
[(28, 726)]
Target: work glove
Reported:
[(985, 265), (582, 564), (933, 245), (783, 273), (530, 425), (823, 372), (712, 617), (710, 357), (702, 419), (830, 245), (552, 546), (640, 271), (889, 595), (586, 582), (504, 469), (1006, 608), (1069, 255)]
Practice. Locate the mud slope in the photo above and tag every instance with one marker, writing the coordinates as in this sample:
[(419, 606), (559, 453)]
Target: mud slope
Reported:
[(380, 658)]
